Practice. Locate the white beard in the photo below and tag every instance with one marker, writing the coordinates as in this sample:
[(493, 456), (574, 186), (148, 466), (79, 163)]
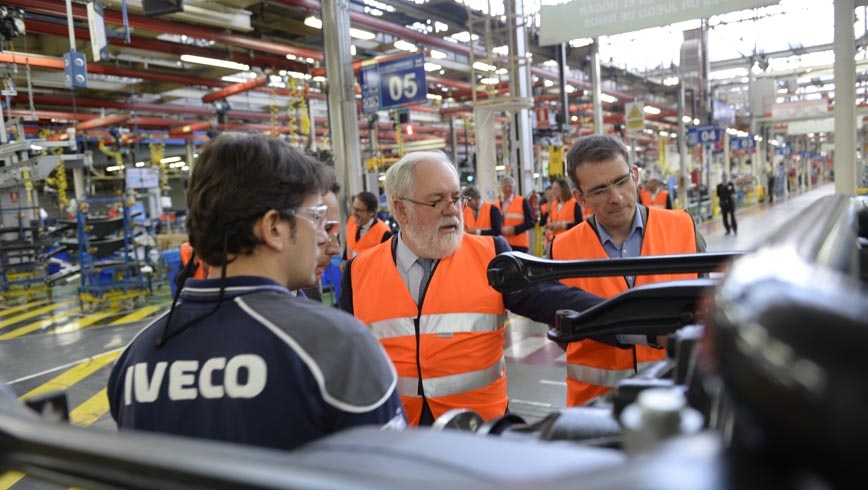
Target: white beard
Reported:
[(430, 242)]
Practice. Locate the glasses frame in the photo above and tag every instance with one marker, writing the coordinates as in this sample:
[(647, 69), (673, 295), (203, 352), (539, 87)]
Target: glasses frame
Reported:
[(441, 204), (317, 215), (602, 192)]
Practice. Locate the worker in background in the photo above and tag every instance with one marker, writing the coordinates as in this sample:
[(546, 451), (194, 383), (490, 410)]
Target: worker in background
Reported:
[(364, 229), (239, 359), (198, 269), (726, 196), (425, 295), (517, 217), (480, 216), (652, 195), (564, 212), (619, 227), (332, 248)]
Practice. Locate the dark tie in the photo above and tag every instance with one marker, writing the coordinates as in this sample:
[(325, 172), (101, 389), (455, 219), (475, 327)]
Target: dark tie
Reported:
[(427, 268), (358, 234)]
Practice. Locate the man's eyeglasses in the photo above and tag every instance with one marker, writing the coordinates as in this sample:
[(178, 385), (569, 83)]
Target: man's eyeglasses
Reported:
[(315, 214), (333, 230), (440, 205), (600, 193)]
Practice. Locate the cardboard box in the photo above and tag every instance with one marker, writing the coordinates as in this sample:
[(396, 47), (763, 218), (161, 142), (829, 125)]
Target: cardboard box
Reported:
[(166, 241)]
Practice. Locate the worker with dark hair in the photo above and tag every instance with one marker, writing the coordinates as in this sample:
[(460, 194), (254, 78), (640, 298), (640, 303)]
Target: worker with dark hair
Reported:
[(364, 229), (480, 216), (237, 357)]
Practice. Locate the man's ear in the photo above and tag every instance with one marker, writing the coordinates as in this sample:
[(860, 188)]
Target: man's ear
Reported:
[(400, 208), (271, 230), (580, 198)]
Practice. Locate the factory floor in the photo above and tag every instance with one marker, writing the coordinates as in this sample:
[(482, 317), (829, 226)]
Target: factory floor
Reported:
[(59, 344)]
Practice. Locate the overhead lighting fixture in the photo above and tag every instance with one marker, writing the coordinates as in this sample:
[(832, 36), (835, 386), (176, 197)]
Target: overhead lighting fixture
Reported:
[(651, 110), (189, 58), (170, 159), (480, 66), (361, 34), (316, 23), (438, 55), (432, 67), (610, 99), (405, 46)]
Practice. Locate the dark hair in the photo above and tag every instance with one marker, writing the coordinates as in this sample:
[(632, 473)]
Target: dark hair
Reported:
[(594, 148), (329, 179), (565, 187), (370, 200), (471, 191), (236, 179)]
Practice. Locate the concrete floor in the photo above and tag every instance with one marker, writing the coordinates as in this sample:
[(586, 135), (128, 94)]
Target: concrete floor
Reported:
[(52, 345)]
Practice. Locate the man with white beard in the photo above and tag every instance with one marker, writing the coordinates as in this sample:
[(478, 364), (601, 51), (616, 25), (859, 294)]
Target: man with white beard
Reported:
[(425, 295)]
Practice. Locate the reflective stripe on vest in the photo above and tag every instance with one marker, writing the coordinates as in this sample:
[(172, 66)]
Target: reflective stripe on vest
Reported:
[(454, 384), (444, 325), (602, 377)]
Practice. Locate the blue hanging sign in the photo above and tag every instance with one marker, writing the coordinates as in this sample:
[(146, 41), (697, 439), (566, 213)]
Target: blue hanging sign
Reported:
[(394, 82)]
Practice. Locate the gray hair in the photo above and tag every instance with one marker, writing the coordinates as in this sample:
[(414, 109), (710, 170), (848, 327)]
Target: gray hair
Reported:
[(471, 191), (507, 178), (399, 178)]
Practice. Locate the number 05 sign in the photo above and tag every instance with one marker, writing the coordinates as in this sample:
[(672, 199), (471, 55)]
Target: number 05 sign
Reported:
[(395, 82)]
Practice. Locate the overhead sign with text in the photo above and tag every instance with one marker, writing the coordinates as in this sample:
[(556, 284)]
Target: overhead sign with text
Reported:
[(705, 135), (592, 18), (393, 82)]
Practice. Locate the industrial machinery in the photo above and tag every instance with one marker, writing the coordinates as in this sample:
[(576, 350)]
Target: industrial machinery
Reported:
[(764, 388)]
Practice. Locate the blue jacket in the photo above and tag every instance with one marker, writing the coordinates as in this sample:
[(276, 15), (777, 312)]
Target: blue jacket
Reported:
[(265, 368)]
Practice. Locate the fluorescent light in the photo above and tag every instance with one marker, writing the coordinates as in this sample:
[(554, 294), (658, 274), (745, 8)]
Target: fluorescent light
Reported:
[(189, 58), (686, 119), (360, 34), (478, 65), (404, 45), (170, 159), (432, 67), (499, 167), (314, 22), (651, 110), (113, 168), (140, 164), (608, 98), (438, 55)]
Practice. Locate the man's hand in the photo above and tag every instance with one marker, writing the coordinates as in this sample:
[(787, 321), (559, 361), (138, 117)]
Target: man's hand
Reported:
[(508, 230)]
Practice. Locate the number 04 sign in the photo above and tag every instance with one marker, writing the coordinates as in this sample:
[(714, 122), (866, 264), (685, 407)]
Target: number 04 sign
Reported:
[(394, 82)]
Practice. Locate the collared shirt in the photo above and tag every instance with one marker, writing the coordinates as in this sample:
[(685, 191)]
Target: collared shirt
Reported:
[(631, 247), (367, 226), (408, 267)]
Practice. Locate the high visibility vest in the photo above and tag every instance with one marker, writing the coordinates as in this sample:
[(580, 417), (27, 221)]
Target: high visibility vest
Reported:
[(567, 213), (454, 340), (514, 216), (482, 219), (658, 202), (371, 238), (202, 269), (594, 368)]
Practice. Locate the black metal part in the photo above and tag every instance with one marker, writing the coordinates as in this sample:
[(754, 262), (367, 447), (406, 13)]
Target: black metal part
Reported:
[(651, 309), (512, 271)]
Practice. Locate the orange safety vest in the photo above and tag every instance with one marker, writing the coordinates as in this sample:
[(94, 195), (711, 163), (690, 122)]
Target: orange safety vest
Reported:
[(514, 216), (371, 238), (482, 220), (567, 213), (458, 350), (658, 202), (202, 269), (594, 368)]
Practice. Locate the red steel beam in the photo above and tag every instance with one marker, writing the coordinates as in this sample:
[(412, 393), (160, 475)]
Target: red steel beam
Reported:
[(102, 122), (235, 88), (189, 128), (159, 25)]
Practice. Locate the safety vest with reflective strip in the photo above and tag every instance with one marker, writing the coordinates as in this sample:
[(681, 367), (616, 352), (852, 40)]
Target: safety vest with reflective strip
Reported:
[(457, 347), (482, 219), (658, 202), (594, 368), (514, 216), (372, 237), (567, 213)]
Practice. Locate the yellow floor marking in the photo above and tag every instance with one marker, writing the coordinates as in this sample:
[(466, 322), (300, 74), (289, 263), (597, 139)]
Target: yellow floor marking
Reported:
[(16, 309), (83, 415), (10, 478), (91, 410), (39, 324), (137, 315), (83, 322), (74, 375), (32, 313)]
